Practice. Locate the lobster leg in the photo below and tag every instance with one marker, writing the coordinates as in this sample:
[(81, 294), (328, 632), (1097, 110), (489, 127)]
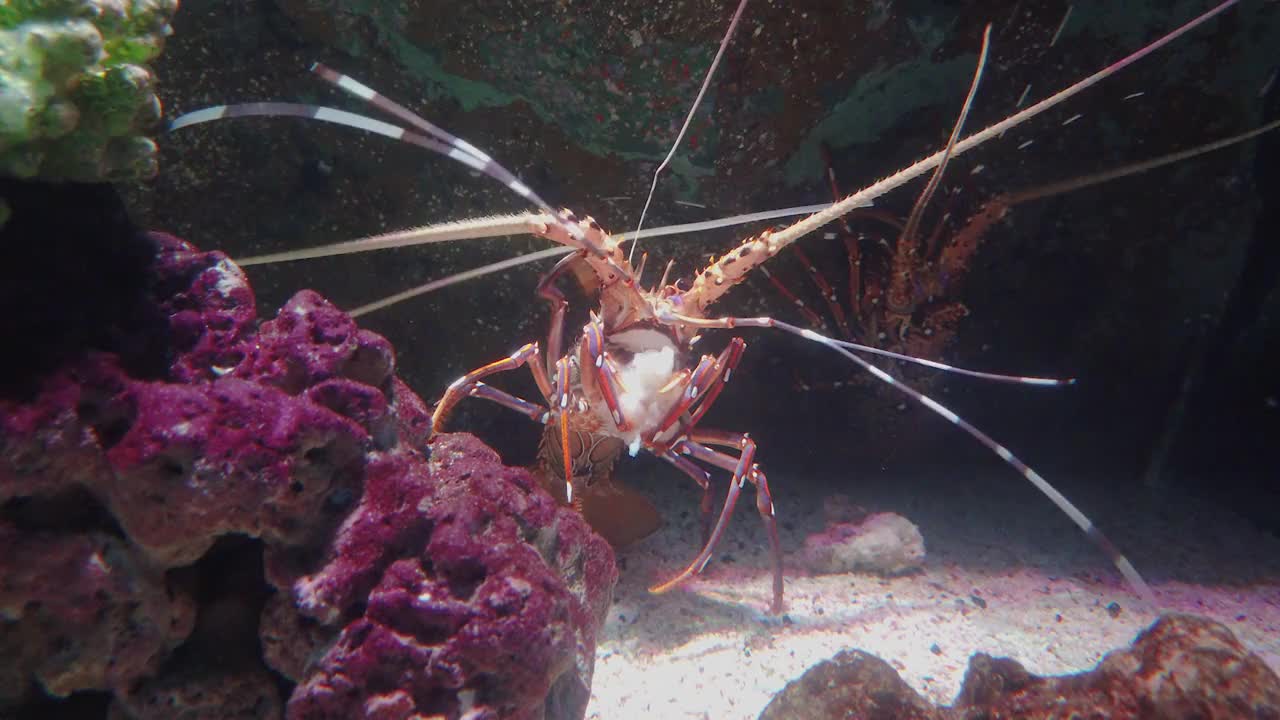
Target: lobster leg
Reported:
[(469, 385), (606, 376), (704, 376), (721, 369), (744, 469), (533, 411), (728, 361), (703, 478), (708, 379), (828, 293), (466, 386), (814, 318), (764, 502), (548, 291)]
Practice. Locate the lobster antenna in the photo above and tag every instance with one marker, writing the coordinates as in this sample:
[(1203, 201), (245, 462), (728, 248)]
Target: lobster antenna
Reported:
[(1078, 183), (506, 225), (443, 143), (358, 89), (706, 82), (913, 220)]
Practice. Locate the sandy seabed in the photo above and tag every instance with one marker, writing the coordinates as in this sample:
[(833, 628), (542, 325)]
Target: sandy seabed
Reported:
[(1006, 574)]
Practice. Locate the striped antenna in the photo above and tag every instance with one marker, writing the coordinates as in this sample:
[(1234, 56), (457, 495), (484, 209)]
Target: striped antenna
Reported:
[(330, 115), (1066, 506), (1081, 520), (432, 138), (391, 107), (457, 146)]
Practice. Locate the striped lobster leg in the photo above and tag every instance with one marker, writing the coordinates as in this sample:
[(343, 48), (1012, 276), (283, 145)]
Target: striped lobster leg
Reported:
[(744, 469)]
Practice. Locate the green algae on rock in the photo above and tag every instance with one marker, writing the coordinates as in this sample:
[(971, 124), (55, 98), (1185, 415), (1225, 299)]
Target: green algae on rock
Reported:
[(75, 100)]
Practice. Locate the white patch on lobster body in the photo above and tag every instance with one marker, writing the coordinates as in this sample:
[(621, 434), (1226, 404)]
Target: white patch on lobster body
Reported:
[(651, 368)]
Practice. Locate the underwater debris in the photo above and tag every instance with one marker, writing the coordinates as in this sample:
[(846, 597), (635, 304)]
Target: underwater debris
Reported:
[(1183, 666), (376, 552), (76, 99)]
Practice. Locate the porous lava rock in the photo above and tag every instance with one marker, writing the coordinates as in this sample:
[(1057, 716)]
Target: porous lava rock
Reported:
[(262, 528), (1183, 667)]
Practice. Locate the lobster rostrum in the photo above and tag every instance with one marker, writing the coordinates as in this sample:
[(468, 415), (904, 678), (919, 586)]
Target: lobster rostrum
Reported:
[(631, 379)]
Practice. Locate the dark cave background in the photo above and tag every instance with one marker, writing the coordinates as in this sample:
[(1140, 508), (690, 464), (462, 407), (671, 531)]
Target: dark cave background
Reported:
[(1157, 291)]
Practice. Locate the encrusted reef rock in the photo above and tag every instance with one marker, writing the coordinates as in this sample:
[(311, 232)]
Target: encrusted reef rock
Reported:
[(265, 513), (1183, 667), (853, 684), (76, 100), (474, 593), (82, 612)]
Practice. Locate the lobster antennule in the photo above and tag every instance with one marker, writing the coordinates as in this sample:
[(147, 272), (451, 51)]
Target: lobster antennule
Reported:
[(997, 377), (706, 82), (913, 220), (480, 163), (1081, 520), (717, 279)]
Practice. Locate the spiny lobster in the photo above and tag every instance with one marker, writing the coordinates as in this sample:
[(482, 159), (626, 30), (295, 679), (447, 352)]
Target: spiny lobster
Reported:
[(630, 380)]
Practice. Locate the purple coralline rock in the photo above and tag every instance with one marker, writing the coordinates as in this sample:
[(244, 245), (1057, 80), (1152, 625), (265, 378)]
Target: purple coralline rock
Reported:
[(226, 456), (478, 595), (398, 579), (311, 341), (210, 307), (1181, 668), (82, 612)]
